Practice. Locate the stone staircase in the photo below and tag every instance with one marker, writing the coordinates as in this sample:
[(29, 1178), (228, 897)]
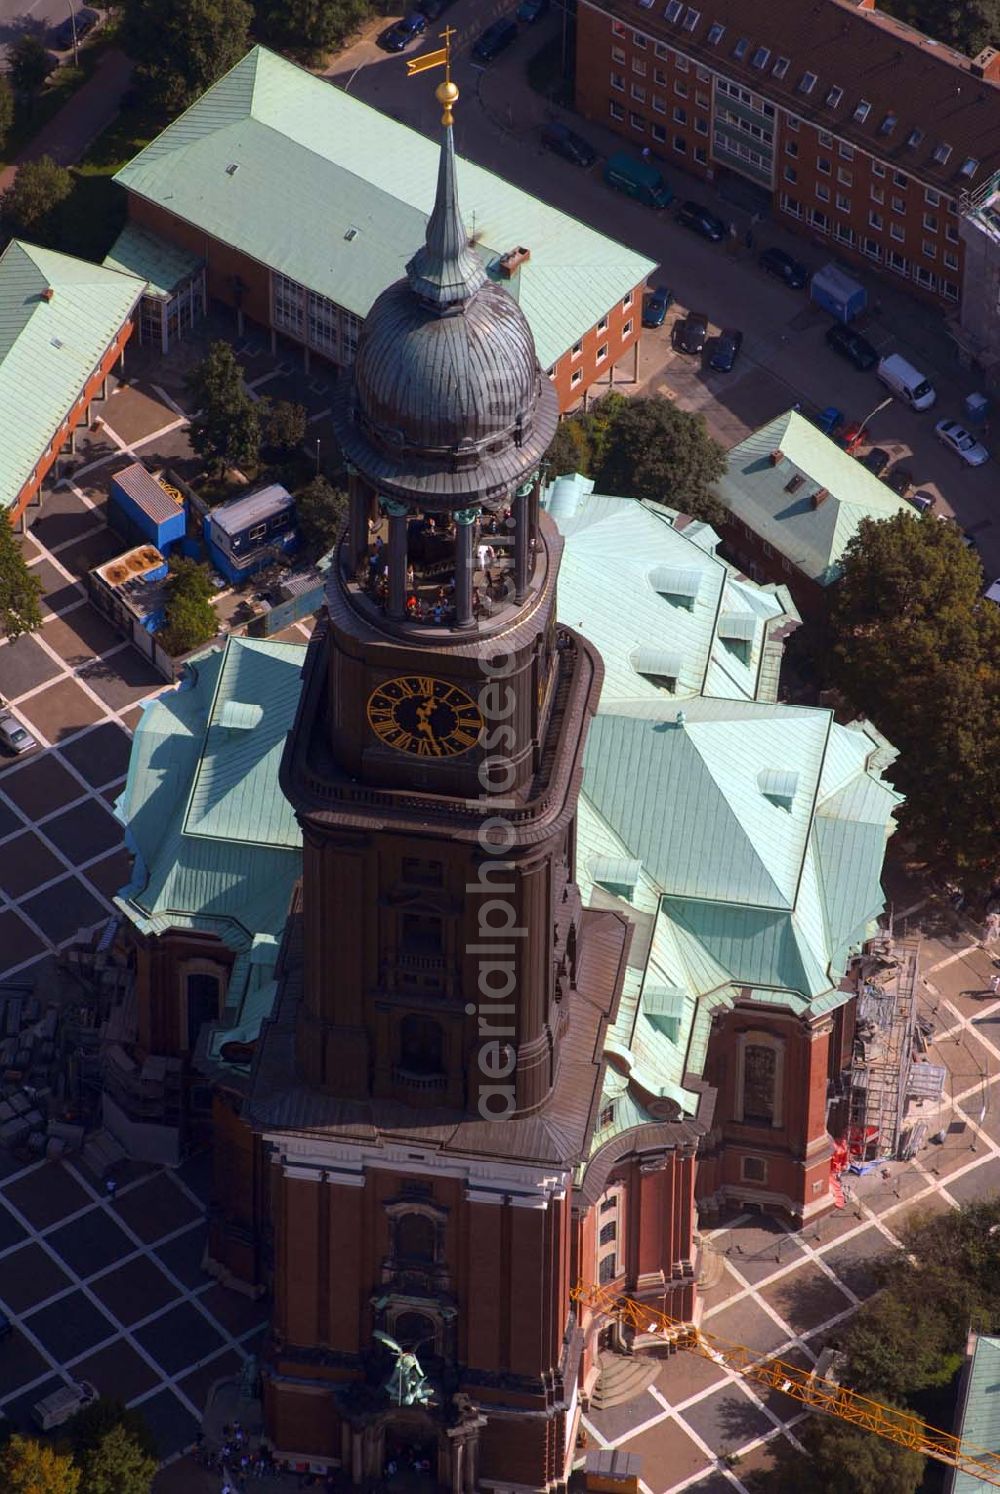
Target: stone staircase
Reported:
[(622, 1377)]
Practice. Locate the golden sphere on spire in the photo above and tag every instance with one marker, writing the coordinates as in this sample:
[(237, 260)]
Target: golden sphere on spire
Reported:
[(446, 94)]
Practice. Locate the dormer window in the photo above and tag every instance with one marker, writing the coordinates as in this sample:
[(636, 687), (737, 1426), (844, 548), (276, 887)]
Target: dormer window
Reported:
[(834, 97), (914, 138), (969, 167), (888, 124), (942, 154), (673, 10), (779, 786), (691, 19), (781, 67), (760, 57), (862, 112), (715, 34), (677, 586), (741, 48), (808, 82)]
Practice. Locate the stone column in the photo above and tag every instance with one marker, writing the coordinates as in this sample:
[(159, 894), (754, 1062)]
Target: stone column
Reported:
[(357, 532), (465, 533), (522, 541), (398, 515)]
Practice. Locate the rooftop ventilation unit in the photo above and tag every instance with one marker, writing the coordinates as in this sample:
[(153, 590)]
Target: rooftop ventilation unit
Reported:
[(351, 235), (794, 483), (232, 168)]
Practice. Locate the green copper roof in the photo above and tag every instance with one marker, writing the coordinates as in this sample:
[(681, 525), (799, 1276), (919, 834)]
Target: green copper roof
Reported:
[(50, 344), (163, 266), (979, 1416), (813, 535), (682, 600), (282, 166)]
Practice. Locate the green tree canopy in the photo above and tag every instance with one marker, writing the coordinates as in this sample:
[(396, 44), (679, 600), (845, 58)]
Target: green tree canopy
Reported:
[(30, 207), (284, 428), (93, 1422), (190, 617), (968, 27), (28, 63), (118, 1465), (320, 508), (20, 589), (6, 109), (226, 429), (840, 1459), (916, 648), (182, 46), (306, 28), (29, 1467)]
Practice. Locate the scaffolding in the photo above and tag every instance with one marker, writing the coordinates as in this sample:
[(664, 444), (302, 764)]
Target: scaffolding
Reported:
[(883, 1049)]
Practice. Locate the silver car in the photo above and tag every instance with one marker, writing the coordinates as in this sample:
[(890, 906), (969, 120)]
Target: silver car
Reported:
[(14, 736), (972, 452)]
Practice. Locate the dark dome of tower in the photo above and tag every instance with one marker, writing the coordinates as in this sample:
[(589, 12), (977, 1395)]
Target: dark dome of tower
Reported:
[(432, 383)]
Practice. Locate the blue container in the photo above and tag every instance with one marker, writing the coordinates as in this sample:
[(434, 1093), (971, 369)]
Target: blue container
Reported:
[(976, 408), (146, 510)]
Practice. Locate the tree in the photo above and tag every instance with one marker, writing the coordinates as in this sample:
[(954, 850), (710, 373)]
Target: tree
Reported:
[(569, 451), (321, 509), (840, 1459), (118, 1465), (226, 429), (915, 646), (29, 1467), (190, 617), (20, 590), (30, 207), (28, 63), (6, 109), (182, 46), (656, 451), (93, 1422), (968, 27), (308, 27), (284, 426)]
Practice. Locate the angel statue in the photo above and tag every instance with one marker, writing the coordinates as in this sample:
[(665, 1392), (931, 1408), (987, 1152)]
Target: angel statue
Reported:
[(407, 1385)]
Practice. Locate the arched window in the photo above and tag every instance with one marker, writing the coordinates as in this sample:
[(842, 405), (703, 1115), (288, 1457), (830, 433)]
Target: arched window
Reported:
[(415, 1236), (413, 1329), (759, 1079), (421, 1045), (203, 992)]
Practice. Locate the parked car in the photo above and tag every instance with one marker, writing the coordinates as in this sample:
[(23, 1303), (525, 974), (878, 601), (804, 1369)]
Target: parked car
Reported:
[(494, 40), (530, 11), (562, 141), (876, 460), (655, 306), (691, 334), (852, 346), (637, 178), (692, 215), (783, 267), (900, 480), (14, 736), (727, 350), (972, 452), (829, 421), (851, 437), (923, 501), (395, 38), (85, 20), (57, 1408)]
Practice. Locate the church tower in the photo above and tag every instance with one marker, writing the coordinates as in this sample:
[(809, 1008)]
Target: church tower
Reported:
[(430, 1080)]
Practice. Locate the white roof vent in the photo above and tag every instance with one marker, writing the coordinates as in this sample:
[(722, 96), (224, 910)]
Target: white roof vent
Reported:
[(779, 786), (239, 715), (351, 235), (232, 168)]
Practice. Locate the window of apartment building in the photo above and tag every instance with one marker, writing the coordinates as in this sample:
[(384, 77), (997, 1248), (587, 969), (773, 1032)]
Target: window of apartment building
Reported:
[(791, 175), (659, 49), (659, 104), (843, 233), (715, 34), (680, 145), (897, 262), (951, 233), (931, 222), (680, 116), (875, 220), (949, 290), (639, 66), (700, 153), (898, 205), (845, 177), (897, 232), (701, 99), (618, 81), (900, 179), (618, 28), (680, 63), (822, 192), (926, 278), (819, 220), (657, 131), (878, 169), (825, 140), (843, 203), (872, 248), (929, 249), (615, 109), (618, 54), (576, 349), (638, 93), (808, 82), (627, 328), (627, 301), (790, 206), (638, 40), (660, 77), (611, 1214), (637, 122), (602, 353), (950, 260), (681, 89), (846, 152), (602, 325), (931, 197), (703, 75), (823, 165), (791, 147), (753, 1170), (576, 378), (877, 194), (701, 127), (791, 122)]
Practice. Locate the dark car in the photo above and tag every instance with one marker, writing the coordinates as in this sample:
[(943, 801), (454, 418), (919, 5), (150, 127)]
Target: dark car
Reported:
[(691, 334), (783, 267), (727, 350), (85, 20), (692, 215), (494, 40), (398, 36), (562, 141), (655, 306), (852, 346), (900, 480), (876, 460), (433, 9), (531, 11)]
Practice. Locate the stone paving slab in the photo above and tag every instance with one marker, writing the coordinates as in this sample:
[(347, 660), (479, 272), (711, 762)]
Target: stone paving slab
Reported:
[(91, 551), (91, 1243), (69, 1327), (17, 940), (26, 863), (178, 1337), (60, 710), (23, 665), (100, 754), (81, 636), (747, 1323), (171, 1424), (30, 1276), (84, 831), (668, 1453), (134, 1289), (117, 1371), (981, 1183), (39, 787), (57, 592), (156, 1208), (9, 821), (684, 1375), (121, 680), (727, 1419), (111, 873), (46, 1195), (805, 1297), (63, 908), (135, 414)]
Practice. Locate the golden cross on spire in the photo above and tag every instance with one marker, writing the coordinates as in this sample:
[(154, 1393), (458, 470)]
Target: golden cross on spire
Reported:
[(446, 93)]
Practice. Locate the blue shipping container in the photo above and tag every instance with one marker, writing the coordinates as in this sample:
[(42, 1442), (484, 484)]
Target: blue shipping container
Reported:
[(837, 293), (148, 509)]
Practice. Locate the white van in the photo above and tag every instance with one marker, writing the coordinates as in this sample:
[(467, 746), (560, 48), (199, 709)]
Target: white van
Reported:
[(58, 1407), (903, 380)]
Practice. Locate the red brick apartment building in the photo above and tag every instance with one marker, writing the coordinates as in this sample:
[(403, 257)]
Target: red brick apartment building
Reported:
[(863, 133)]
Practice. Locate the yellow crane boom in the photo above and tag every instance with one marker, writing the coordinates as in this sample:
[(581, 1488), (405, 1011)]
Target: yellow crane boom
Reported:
[(801, 1385)]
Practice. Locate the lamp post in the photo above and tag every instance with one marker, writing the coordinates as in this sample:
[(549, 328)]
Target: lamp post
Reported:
[(317, 455), (76, 49), (873, 413)]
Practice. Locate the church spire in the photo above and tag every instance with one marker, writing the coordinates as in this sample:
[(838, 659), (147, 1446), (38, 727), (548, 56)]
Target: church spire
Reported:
[(446, 271)]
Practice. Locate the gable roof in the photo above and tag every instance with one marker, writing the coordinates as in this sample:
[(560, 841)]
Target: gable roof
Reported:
[(855, 54), (58, 317), (275, 162), (812, 524), (979, 1414)]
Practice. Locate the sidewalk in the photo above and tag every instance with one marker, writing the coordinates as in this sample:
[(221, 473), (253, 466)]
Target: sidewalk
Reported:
[(67, 137)]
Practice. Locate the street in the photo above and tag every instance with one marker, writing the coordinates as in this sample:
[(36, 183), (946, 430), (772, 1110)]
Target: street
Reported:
[(784, 358), (20, 15)]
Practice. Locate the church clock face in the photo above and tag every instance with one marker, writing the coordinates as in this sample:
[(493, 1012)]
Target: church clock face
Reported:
[(424, 716)]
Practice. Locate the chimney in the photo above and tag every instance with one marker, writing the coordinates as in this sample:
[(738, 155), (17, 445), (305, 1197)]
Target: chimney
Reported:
[(820, 496), (776, 457), (986, 64), (513, 260), (48, 293)]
